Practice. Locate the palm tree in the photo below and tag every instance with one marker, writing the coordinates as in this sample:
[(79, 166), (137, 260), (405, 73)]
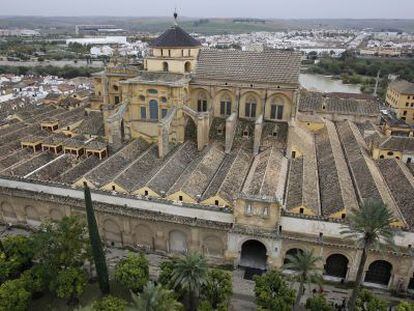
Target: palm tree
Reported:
[(368, 226), (306, 270), (189, 274), (154, 298)]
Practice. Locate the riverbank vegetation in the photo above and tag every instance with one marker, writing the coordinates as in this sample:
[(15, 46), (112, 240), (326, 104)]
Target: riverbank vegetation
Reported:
[(353, 70), (67, 72)]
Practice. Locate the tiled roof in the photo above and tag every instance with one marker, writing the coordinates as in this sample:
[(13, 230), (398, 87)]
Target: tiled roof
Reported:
[(111, 167), (139, 172), (77, 171), (267, 175), (398, 143), (175, 37), (270, 66), (305, 172), (401, 183), (30, 165), (335, 184), (403, 86), (55, 169), (168, 174), (92, 124), (229, 178), (334, 103), (158, 78)]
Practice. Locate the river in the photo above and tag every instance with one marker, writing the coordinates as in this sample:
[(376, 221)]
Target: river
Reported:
[(322, 83), (57, 63)]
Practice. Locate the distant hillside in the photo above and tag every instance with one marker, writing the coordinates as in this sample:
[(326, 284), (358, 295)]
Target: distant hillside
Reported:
[(205, 25)]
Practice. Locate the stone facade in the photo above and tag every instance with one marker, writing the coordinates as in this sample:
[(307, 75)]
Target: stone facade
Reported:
[(222, 240)]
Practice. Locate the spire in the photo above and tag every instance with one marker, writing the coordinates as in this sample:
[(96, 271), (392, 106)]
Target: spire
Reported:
[(175, 17)]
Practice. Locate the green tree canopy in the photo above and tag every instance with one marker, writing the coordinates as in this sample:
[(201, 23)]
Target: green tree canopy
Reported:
[(35, 279), (133, 272), (272, 292), (62, 244), (306, 270), (189, 275), (366, 301), (367, 227), (318, 303), (155, 298), (405, 306), (217, 289), (18, 255), (14, 296), (70, 283), (166, 271)]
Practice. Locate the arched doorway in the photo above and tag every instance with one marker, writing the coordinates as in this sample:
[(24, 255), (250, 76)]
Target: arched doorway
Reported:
[(187, 67), (336, 266), (32, 216), (9, 214), (292, 252), (55, 214), (190, 129), (253, 255), (379, 272), (144, 237), (153, 108), (213, 246), (178, 242), (112, 233)]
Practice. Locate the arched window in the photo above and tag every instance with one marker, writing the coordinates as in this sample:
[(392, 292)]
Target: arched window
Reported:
[(276, 109), (165, 66), (187, 66), (250, 107), (115, 87), (336, 266), (178, 241), (202, 102), (292, 252), (225, 105), (153, 108), (379, 272)]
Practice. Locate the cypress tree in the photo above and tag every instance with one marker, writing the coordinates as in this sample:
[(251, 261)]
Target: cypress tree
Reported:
[(96, 245)]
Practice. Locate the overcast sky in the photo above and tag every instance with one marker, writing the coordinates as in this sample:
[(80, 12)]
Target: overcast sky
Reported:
[(214, 8)]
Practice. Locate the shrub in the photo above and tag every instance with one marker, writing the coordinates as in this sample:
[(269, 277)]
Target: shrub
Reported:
[(109, 303), (318, 303), (273, 293), (133, 272), (218, 288), (35, 279), (405, 306), (366, 301), (70, 283), (14, 296), (166, 268), (17, 257)]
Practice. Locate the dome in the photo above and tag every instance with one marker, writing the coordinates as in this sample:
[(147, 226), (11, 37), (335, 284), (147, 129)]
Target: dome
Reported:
[(174, 37)]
